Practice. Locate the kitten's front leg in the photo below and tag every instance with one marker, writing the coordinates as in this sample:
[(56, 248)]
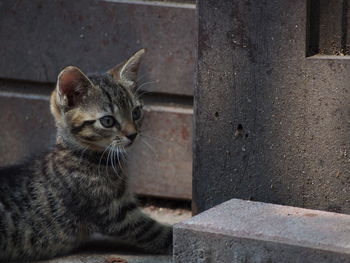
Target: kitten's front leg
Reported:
[(133, 226)]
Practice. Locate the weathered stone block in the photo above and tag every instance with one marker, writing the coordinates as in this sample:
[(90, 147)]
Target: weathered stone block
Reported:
[(252, 232)]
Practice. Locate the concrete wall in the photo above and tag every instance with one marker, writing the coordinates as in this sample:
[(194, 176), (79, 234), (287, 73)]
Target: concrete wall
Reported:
[(271, 124)]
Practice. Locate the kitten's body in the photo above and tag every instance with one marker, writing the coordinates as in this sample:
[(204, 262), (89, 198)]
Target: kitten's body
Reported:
[(52, 205)]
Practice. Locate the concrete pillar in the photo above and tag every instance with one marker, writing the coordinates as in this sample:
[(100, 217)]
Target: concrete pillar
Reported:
[(271, 123)]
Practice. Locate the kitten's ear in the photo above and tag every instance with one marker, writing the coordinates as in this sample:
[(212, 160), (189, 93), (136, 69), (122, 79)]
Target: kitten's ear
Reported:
[(126, 72), (72, 84)]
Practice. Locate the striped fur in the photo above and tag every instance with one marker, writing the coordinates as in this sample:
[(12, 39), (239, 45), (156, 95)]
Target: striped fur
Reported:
[(52, 204)]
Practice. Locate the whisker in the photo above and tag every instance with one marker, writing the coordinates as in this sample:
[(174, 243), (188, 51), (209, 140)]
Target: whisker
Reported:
[(113, 162), (120, 165), (143, 84), (123, 153), (150, 147), (109, 152), (172, 143), (99, 163), (82, 154), (119, 162), (141, 77), (112, 155), (141, 93)]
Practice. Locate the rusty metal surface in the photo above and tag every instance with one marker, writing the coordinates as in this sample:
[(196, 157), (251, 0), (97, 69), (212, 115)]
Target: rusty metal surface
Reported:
[(160, 163), (38, 38), (270, 124)]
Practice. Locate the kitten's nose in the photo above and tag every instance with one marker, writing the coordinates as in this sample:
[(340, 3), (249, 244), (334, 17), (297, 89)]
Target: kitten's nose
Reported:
[(129, 130), (131, 136)]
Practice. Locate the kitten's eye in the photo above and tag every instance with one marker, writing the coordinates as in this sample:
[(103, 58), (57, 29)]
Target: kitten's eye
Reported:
[(136, 113), (108, 121)]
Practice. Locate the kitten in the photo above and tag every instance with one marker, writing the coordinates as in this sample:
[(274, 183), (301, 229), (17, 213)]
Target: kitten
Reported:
[(50, 206)]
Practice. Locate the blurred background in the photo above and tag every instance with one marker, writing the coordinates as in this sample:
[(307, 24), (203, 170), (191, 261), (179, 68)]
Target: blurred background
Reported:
[(39, 38)]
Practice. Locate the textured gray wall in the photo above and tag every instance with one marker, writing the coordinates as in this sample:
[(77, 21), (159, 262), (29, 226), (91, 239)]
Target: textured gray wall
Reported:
[(292, 112), (45, 36), (38, 38)]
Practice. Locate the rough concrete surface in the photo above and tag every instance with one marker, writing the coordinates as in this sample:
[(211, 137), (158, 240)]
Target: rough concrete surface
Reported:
[(246, 231), (271, 124)]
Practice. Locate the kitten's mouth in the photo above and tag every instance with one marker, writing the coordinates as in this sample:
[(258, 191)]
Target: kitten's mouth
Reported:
[(128, 144), (124, 144)]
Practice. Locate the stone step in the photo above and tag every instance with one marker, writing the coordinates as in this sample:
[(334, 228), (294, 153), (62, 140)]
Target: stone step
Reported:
[(246, 231)]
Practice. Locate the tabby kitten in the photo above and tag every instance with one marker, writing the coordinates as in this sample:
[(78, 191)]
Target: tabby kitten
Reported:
[(51, 205)]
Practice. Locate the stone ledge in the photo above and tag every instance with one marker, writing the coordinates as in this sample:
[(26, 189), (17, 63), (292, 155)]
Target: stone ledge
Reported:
[(245, 231)]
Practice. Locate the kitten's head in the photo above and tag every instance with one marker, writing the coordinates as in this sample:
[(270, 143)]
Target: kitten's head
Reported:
[(96, 111)]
